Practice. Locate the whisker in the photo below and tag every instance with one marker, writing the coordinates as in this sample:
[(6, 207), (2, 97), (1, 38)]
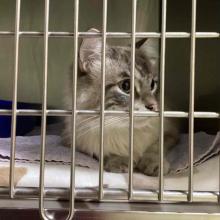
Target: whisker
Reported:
[(86, 119), (109, 123), (84, 126)]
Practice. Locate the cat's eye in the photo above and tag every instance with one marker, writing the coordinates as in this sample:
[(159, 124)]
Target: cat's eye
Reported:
[(153, 85), (125, 86)]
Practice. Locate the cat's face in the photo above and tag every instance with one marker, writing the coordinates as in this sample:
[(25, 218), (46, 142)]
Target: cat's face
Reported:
[(118, 73), (117, 96)]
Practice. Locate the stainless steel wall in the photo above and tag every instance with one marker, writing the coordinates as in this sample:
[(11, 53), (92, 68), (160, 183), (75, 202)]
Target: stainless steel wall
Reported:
[(60, 49)]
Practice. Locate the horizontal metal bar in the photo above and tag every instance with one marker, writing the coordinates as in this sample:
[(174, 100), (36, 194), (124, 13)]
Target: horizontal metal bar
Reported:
[(113, 195), (113, 34), (168, 114)]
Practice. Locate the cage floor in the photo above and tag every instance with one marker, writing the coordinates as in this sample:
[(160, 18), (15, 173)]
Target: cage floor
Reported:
[(28, 209)]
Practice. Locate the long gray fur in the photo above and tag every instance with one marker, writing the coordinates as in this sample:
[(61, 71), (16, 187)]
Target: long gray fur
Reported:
[(146, 130)]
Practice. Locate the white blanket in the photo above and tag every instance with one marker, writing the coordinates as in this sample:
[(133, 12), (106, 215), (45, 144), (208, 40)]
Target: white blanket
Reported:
[(58, 163), (205, 177)]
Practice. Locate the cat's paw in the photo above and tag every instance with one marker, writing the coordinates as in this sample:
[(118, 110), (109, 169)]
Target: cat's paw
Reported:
[(116, 164), (149, 164)]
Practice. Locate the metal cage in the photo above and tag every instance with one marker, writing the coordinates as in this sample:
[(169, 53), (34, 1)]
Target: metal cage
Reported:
[(148, 201)]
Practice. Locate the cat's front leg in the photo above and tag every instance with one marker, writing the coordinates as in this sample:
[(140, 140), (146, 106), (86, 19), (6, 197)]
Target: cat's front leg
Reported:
[(149, 164)]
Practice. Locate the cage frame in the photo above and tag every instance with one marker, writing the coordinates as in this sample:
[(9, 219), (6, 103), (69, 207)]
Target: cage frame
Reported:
[(102, 194)]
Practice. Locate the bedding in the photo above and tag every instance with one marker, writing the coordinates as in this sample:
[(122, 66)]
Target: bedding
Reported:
[(57, 173)]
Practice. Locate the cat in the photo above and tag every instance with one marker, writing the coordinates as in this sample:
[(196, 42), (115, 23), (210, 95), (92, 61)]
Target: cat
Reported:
[(117, 89)]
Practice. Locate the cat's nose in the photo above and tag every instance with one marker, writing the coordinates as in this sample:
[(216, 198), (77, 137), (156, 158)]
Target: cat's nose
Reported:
[(152, 107)]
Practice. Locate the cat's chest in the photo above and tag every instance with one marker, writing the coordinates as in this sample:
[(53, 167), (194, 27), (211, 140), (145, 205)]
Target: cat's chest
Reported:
[(116, 140), (146, 136)]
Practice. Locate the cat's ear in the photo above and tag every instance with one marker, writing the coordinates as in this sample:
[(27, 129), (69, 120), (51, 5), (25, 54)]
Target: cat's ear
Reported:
[(89, 51), (139, 43), (150, 48)]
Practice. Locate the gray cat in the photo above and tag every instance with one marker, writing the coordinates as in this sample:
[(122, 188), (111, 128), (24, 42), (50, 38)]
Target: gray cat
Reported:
[(117, 89)]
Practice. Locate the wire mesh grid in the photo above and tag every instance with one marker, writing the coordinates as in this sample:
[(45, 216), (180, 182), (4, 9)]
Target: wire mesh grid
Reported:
[(102, 194)]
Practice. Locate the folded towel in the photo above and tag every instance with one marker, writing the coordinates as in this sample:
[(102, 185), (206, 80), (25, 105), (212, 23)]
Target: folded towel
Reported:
[(28, 150)]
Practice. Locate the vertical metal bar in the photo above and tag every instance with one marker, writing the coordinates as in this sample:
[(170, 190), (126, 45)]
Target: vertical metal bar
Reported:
[(162, 79), (131, 127), (191, 102), (102, 115), (14, 107), (44, 110), (74, 105)]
